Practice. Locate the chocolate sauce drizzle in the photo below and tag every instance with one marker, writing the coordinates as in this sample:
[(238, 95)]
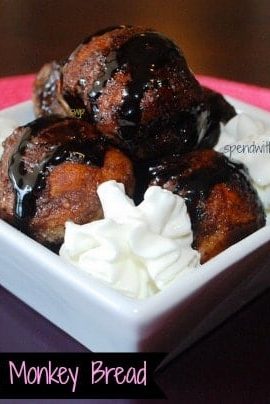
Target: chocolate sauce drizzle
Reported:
[(196, 186), (28, 183), (140, 56)]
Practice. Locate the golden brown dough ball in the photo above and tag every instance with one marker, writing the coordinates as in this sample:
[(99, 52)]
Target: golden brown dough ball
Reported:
[(222, 204), (49, 174), (135, 86)]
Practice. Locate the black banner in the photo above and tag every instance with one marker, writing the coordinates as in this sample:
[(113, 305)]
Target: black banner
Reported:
[(79, 375)]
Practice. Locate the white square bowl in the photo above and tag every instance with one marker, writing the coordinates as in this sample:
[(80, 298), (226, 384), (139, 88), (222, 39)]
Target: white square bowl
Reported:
[(104, 320)]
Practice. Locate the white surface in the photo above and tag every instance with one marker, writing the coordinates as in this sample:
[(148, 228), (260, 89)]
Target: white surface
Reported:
[(104, 320), (247, 141)]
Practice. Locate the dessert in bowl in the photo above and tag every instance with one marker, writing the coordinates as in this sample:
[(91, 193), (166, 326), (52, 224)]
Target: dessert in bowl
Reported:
[(141, 116)]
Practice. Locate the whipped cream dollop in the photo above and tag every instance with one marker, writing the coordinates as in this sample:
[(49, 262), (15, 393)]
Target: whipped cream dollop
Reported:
[(138, 250), (6, 128), (247, 140)]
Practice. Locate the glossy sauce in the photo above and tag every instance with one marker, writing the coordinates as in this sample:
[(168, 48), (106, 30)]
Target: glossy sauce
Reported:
[(27, 184), (141, 56), (195, 185)]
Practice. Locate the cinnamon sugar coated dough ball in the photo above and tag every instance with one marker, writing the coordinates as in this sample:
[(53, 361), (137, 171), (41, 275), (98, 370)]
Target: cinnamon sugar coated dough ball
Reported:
[(49, 174), (222, 203), (135, 86)]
